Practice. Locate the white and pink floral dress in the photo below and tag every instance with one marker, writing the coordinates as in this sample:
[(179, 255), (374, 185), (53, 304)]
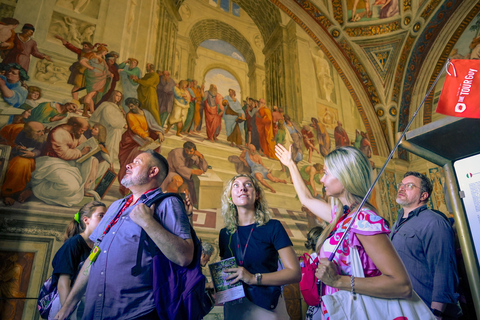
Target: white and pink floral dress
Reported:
[(367, 223)]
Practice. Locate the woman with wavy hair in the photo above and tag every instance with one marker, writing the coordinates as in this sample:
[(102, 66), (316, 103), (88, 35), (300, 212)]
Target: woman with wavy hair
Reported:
[(347, 178), (257, 242)]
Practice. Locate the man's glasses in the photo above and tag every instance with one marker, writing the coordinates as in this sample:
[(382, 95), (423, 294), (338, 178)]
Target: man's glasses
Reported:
[(408, 186)]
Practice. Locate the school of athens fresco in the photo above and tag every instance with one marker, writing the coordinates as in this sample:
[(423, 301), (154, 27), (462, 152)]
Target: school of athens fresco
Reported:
[(345, 72)]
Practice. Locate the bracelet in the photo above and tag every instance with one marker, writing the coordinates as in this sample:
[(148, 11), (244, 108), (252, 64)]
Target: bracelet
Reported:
[(352, 284), (258, 277)]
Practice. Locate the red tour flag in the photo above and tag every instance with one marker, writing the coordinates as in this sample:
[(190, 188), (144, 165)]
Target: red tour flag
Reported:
[(460, 95)]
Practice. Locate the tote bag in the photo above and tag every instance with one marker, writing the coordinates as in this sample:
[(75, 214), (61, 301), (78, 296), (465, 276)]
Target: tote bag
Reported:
[(461, 90), (342, 305)]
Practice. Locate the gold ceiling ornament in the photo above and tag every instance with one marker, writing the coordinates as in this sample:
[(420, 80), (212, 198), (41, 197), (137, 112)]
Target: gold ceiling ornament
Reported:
[(416, 27), (393, 111)]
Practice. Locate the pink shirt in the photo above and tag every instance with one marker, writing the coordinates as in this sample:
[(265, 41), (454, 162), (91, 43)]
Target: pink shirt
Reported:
[(367, 223)]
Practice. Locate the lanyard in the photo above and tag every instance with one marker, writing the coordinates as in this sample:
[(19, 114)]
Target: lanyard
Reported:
[(117, 217), (119, 214), (240, 254)]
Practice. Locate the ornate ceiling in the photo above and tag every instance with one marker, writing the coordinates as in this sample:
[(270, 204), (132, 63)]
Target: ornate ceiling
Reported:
[(387, 54), (380, 55)]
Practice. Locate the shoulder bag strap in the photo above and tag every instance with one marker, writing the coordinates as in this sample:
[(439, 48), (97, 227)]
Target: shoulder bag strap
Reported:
[(137, 269)]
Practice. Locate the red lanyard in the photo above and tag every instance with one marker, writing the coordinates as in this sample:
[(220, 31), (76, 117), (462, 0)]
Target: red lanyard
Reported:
[(242, 257), (119, 214)]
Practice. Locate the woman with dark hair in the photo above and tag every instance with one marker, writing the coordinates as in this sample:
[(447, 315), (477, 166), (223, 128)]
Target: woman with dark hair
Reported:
[(347, 178), (257, 242), (69, 258)]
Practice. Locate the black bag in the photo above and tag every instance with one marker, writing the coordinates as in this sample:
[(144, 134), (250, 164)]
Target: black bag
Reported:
[(179, 292)]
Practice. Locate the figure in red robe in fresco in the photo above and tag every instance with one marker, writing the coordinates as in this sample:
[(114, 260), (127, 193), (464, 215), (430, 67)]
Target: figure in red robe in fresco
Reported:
[(213, 112)]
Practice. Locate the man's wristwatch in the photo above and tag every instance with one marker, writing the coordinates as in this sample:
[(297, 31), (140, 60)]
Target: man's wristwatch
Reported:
[(437, 313), (258, 276)]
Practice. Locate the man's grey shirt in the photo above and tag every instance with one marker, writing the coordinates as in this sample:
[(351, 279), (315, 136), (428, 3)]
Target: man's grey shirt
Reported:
[(425, 243)]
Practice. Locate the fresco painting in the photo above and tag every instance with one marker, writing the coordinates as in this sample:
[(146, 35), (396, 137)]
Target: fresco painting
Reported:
[(15, 268), (360, 10), (212, 86)]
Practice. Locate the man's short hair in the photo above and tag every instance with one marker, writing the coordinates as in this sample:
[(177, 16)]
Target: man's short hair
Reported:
[(207, 248), (161, 163), (425, 183), (189, 145)]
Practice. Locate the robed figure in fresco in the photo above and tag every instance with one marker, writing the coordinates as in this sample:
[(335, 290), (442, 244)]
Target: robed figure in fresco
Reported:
[(233, 116), (213, 112)]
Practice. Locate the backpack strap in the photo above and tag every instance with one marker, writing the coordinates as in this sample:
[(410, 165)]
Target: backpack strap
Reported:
[(137, 269)]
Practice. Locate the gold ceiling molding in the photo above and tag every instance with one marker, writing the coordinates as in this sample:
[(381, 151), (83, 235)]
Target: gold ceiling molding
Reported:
[(407, 5), (430, 8), (373, 30)]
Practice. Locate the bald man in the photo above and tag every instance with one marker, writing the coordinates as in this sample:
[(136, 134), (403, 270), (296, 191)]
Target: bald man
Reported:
[(27, 145)]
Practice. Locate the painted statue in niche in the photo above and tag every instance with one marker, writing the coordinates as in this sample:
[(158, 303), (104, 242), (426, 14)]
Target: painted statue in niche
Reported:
[(363, 10), (437, 199), (323, 74), (15, 271)]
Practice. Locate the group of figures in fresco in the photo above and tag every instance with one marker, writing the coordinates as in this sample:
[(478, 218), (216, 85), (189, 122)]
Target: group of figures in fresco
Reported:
[(364, 9), (61, 150)]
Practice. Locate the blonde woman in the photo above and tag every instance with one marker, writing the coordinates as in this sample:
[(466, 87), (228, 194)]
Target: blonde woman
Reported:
[(347, 177), (257, 242)]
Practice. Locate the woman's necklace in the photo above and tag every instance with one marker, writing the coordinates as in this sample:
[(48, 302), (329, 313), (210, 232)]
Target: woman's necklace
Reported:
[(240, 254)]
